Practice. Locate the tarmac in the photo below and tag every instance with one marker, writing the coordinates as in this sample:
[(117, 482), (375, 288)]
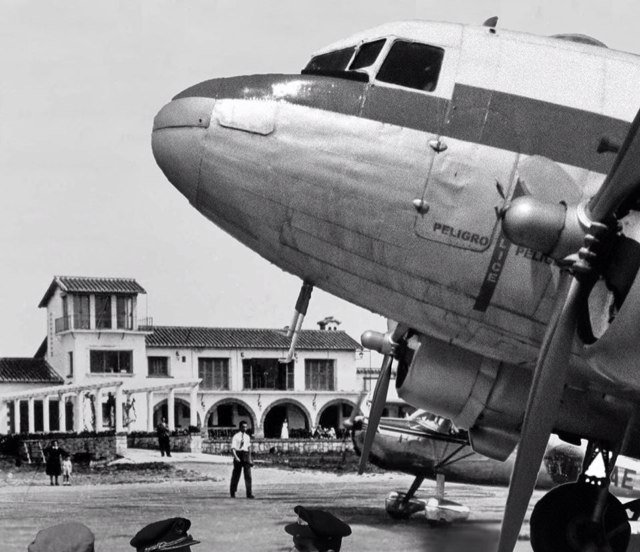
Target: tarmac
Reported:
[(116, 512)]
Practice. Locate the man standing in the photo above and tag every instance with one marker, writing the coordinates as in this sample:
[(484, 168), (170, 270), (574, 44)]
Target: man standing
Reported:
[(240, 448), (163, 438)]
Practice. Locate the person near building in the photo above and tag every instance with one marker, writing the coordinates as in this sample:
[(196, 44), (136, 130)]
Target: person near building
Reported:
[(53, 455), (284, 433), (167, 534), (164, 441), (64, 537), (66, 469), (241, 450), (317, 531)]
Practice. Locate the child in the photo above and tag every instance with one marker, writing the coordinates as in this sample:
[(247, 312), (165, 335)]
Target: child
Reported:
[(66, 469)]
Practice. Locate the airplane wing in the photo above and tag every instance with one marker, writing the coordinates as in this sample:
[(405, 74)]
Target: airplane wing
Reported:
[(598, 221)]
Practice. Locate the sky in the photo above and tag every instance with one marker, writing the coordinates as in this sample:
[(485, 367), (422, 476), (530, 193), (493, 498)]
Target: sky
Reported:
[(81, 192)]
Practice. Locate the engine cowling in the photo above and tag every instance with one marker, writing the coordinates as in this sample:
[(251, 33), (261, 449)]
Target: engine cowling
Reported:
[(488, 397)]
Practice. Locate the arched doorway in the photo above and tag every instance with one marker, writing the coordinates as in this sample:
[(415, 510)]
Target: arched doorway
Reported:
[(181, 412), (334, 414), (223, 418), (297, 419)]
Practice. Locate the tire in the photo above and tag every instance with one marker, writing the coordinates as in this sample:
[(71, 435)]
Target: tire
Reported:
[(561, 521)]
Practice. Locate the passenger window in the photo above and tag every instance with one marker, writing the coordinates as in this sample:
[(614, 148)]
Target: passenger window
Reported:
[(413, 65), (367, 54), (331, 61)]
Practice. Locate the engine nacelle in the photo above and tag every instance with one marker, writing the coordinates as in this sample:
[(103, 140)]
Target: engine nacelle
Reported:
[(488, 398)]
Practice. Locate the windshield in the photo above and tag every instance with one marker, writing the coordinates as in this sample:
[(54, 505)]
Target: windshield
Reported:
[(345, 63), (331, 61)]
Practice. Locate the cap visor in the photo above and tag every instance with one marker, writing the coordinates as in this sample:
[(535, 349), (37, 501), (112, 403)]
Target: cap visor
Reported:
[(298, 530), (182, 545)]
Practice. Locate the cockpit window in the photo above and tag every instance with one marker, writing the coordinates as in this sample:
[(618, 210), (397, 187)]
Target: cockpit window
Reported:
[(367, 54), (413, 65), (331, 61)]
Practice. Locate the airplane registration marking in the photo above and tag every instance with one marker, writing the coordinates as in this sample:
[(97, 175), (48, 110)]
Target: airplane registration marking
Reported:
[(460, 234), (627, 477)]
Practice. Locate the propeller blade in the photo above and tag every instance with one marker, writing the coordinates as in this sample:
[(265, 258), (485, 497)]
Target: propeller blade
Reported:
[(542, 407), (354, 412), (622, 184), (377, 406)]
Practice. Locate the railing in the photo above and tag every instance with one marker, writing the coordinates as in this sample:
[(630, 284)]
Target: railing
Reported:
[(145, 324), (63, 324), (69, 322), (221, 432)]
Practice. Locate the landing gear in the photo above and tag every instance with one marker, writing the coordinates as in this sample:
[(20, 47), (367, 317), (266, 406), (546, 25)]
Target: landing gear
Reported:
[(437, 509), (562, 520), (583, 515)]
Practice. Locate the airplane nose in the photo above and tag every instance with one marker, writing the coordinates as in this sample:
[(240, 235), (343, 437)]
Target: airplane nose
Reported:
[(179, 129)]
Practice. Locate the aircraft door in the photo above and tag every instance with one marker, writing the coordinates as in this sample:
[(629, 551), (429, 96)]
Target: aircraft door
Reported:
[(475, 154)]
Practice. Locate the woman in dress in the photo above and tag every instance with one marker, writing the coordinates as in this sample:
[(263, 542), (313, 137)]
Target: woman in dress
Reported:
[(53, 455)]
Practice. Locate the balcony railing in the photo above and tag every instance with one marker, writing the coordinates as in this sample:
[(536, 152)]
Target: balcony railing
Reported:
[(145, 324), (69, 322)]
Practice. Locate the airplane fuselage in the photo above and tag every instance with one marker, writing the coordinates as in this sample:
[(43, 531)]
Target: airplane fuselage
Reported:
[(320, 175), (376, 176)]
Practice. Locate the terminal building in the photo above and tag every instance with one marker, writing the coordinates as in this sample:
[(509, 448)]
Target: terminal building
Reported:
[(102, 366)]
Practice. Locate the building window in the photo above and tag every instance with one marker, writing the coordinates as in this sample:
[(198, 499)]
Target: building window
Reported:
[(214, 373), (267, 373), (111, 362), (70, 373), (413, 65), (369, 383), (158, 367), (124, 312), (103, 311), (81, 312), (319, 374)]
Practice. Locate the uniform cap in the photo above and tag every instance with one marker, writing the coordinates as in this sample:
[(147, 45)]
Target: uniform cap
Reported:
[(65, 537), (325, 529), (167, 534)]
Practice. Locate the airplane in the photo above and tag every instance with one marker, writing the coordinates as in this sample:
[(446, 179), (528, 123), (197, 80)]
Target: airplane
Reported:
[(479, 188), (431, 447)]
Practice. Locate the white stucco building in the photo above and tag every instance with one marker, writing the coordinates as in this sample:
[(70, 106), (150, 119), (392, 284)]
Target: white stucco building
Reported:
[(103, 366)]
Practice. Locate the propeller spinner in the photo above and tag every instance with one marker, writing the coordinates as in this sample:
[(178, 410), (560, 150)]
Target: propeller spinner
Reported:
[(387, 345)]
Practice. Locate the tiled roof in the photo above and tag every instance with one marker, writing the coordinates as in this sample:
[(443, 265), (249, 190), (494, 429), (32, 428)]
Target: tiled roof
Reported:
[(248, 338), (81, 284), (42, 350), (27, 370)]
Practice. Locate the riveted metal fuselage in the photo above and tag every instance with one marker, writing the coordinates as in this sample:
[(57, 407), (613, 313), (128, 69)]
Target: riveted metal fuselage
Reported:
[(345, 184)]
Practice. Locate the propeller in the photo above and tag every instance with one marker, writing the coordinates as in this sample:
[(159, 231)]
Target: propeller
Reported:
[(350, 422), (619, 193), (385, 344)]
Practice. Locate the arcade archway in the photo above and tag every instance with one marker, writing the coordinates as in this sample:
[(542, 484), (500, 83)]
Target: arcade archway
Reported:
[(334, 413), (223, 418), (294, 413)]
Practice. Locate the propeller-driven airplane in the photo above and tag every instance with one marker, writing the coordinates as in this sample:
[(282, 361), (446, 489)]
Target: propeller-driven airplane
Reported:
[(479, 186), (431, 447)]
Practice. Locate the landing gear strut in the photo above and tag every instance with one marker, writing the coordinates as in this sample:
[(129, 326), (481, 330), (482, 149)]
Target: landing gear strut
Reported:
[(583, 515), (437, 509)]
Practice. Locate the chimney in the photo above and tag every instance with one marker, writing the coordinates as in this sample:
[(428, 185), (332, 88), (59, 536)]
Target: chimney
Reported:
[(329, 323)]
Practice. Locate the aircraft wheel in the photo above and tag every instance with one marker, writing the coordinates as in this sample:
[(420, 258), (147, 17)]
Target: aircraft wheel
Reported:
[(399, 514), (398, 507), (561, 520)]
